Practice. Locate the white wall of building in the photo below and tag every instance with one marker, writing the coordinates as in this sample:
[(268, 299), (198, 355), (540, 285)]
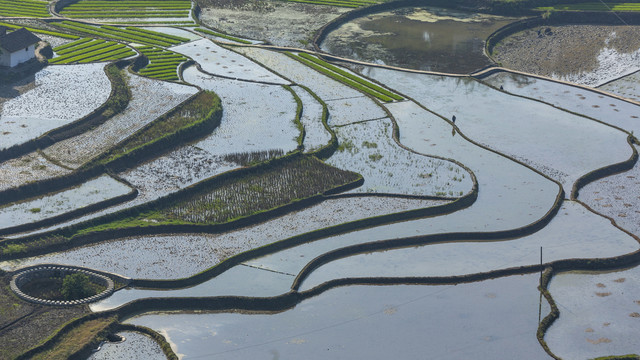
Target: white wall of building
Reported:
[(18, 57)]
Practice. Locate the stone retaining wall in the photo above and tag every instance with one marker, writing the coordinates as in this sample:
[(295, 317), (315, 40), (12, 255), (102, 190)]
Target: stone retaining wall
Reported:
[(47, 271)]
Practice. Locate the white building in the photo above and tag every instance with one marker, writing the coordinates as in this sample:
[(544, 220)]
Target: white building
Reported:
[(16, 47)]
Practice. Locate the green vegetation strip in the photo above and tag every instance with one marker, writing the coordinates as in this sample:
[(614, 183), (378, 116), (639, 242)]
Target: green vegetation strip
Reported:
[(163, 64), (92, 51), (85, 336), (122, 34), (346, 78), (179, 39), (39, 31), (125, 9), (594, 6), (239, 197), (77, 46), (24, 8), (223, 36), (193, 112), (351, 76), (76, 43), (338, 3)]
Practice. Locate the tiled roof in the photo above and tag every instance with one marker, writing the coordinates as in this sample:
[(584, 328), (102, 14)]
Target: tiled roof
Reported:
[(18, 40)]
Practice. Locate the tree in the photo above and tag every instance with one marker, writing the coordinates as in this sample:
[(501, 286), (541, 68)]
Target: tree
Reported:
[(77, 286)]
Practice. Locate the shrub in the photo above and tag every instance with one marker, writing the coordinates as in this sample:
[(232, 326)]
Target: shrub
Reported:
[(77, 286)]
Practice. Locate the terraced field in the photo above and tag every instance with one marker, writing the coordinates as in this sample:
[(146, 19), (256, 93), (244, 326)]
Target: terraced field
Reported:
[(595, 6), (338, 3), (87, 50), (100, 9), (261, 203), (129, 34), (40, 31), (163, 64), (24, 8)]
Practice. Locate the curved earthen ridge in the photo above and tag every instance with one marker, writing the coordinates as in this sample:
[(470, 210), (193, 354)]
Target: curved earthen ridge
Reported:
[(42, 271)]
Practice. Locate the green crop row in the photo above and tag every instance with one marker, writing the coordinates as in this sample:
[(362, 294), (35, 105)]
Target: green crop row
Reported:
[(118, 34), (71, 44), (85, 57), (127, 9), (136, 14), (224, 36), (82, 46), (351, 76), (113, 55), (339, 3), (97, 45), (22, 8), (98, 50), (341, 78), (346, 77), (86, 7), (39, 31), (171, 40), (151, 3), (163, 64), (595, 7), (179, 39), (175, 23)]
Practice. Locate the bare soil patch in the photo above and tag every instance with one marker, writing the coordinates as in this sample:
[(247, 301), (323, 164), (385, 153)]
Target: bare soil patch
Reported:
[(24, 325), (280, 23)]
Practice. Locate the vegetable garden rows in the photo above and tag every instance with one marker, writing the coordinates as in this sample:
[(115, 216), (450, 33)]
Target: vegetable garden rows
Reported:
[(284, 179)]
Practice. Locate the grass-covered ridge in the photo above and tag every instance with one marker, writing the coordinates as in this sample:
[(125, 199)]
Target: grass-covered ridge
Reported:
[(127, 9), (191, 113), (83, 51), (338, 3), (220, 35), (163, 64), (128, 34), (24, 8), (277, 185), (345, 77)]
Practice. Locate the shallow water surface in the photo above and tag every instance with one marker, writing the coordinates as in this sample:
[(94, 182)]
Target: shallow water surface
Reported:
[(599, 314), (494, 319), (418, 38)]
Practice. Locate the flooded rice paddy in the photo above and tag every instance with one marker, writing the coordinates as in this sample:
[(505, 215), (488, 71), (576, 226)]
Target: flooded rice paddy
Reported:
[(89, 193), (258, 117), (558, 240), (616, 196), (217, 60), (60, 95), (135, 346), (599, 314), (163, 257), (559, 144), (491, 319), (149, 99), (316, 135), (627, 86), (608, 109), (428, 38), (369, 149)]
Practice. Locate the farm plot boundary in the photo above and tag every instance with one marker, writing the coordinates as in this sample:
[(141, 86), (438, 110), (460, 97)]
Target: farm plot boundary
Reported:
[(117, 101)]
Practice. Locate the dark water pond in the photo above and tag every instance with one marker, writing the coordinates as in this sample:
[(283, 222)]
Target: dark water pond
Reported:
[(418, 38)]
